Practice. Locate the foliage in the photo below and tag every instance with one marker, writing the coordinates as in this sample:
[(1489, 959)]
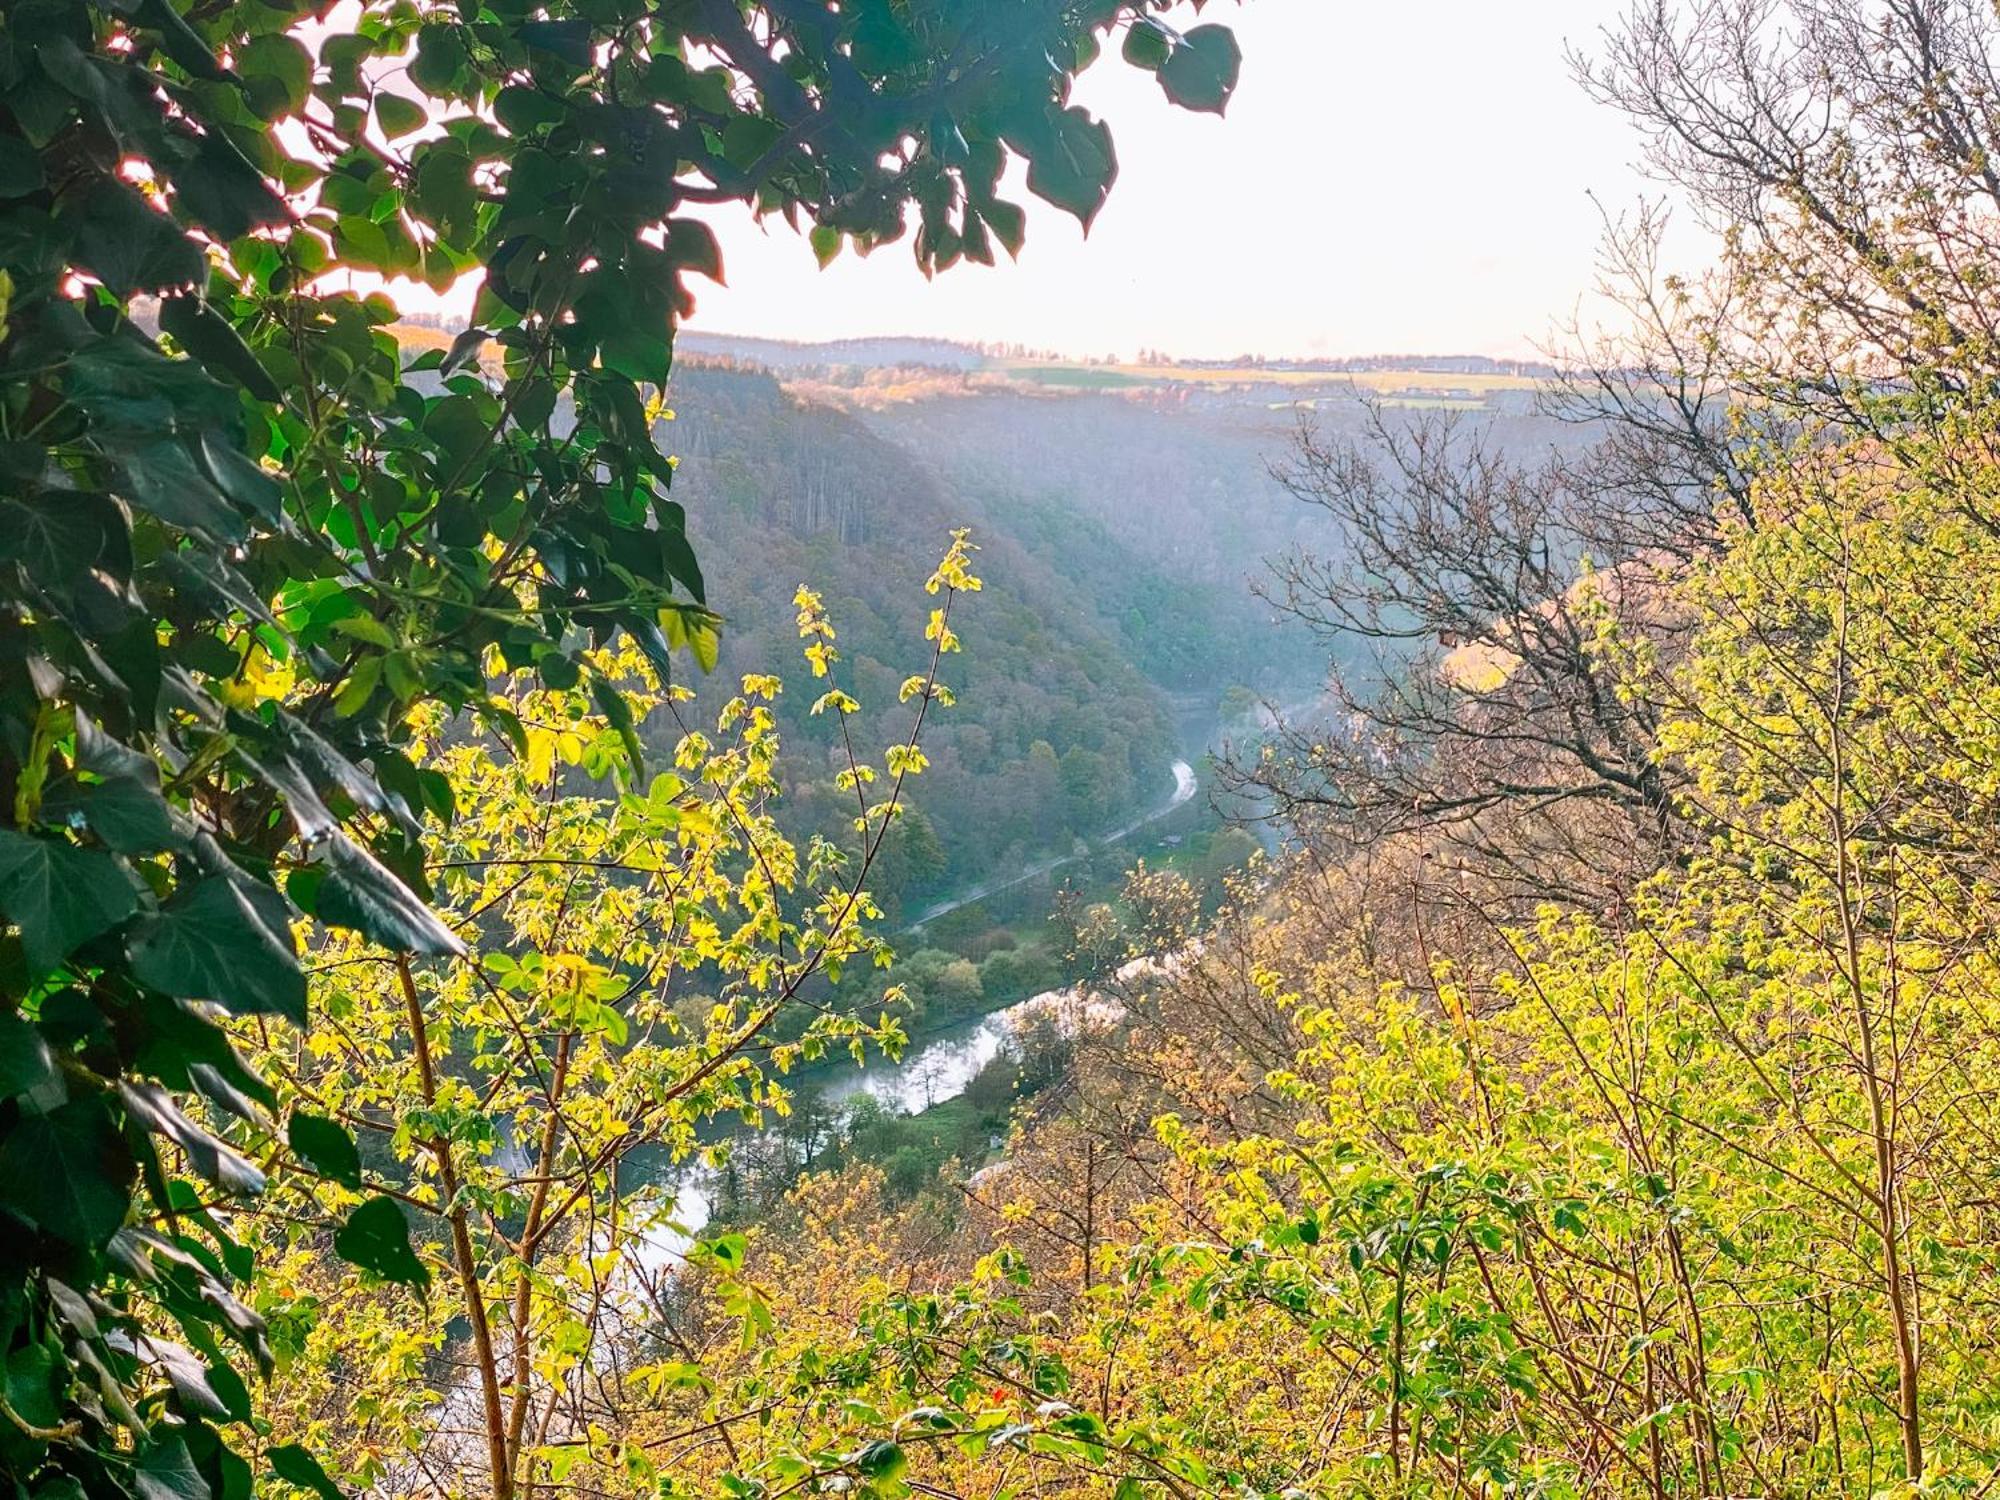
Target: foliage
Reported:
[(1690, 1198), (245, 553), (530, 1106)]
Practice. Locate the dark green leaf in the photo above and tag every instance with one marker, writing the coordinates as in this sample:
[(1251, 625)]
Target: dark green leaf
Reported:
[(1072, 164), (124, 812), (68, 1172), (58, 534), (154, 1108), (25, 1062), (376, 1237), (212, 943), (131, 246), (221, 191), (59, 895), (326, 1147), (569, 40), (166, 1472), (360, 893), (20, 167), (295, 1465), (31, 1385), (1201, 74), (210, 339)]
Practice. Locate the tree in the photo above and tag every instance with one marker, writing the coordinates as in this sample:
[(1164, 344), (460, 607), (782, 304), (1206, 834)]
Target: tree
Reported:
[(1490, 719), (245, 550)]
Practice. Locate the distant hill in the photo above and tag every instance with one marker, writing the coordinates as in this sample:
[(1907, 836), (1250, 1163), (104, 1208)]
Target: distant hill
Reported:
[(786, 356)]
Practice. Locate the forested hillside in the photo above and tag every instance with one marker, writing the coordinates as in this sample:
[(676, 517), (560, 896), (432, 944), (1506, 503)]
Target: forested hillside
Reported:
[(1057, 733)]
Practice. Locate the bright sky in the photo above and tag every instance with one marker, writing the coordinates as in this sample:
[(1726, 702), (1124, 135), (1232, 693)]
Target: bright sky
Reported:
[(1409, 176)]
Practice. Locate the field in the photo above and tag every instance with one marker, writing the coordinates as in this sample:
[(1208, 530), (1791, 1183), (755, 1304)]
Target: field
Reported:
[(1448, 385)]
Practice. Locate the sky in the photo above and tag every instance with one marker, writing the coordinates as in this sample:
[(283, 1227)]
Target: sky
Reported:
[(1393, 176)]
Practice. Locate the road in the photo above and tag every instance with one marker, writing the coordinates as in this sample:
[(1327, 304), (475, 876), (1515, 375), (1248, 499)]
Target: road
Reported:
[(1185, 786)]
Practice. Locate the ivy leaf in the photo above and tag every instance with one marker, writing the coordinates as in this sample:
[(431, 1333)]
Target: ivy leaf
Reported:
[(20, 168), (63, 533), (31, 1385), (216, 1392), (326, 1147), (131, 246), (209, 338), (59, 895), (165, 1471), (212, 943), (1201, 72), (127, 814), (25, 1063), (68, 1172), (221, 191), (359, 892), (154, 1108), (295, 1465), (376, 1237)]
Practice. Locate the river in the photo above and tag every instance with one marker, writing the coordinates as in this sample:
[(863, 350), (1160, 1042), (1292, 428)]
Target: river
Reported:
[(932, 1071), (1185, 786)]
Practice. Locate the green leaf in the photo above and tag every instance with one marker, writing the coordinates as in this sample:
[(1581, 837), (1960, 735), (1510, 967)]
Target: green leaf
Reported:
[(68, 1172), (213, 1391), (166, 1472), (59, 895), (398, 115), (1148, 44), (277, 73), (131, 246), (692, 246), (57, 534), (1202, 72), (31, 1385), (881, 1460), (376, 1237), (25, 1063), (212, 943), (209, 338), (569, 40), (20, 167), (359, 892), (221, 191), (154, 1108), (611, 703), (126, 813), (295, 1465), (326, 1147), (1071, 163)]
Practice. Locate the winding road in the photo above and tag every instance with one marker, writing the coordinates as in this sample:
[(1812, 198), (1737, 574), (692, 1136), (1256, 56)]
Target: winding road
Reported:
[(1185, 786)]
